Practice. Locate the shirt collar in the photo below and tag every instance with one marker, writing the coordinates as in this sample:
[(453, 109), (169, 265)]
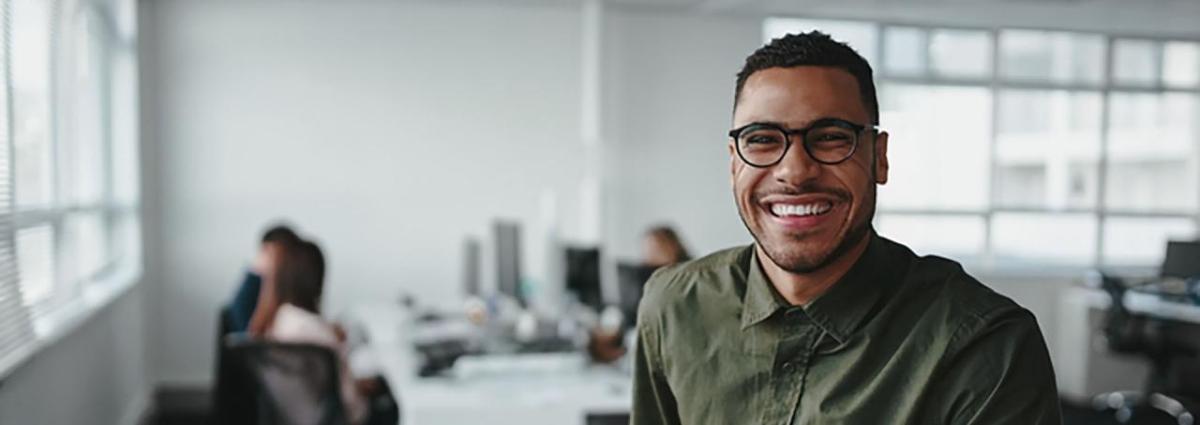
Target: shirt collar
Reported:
[(761, 299), (842, 308)]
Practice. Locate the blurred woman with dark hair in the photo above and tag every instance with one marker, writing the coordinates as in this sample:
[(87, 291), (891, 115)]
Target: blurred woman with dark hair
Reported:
[(299, 283), (662, 247)]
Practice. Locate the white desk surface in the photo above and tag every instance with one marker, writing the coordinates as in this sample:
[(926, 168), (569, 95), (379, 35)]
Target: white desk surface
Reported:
[(562, 398), (1153, 305), (1148, 304)]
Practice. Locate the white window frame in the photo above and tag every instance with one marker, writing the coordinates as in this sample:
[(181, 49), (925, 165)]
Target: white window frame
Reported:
[(72, 303), (995, 83)]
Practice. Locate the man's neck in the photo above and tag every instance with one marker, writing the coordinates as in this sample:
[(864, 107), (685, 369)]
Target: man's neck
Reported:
[(802, 288)]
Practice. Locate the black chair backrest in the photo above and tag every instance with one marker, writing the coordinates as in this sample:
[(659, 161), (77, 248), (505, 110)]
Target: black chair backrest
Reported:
[(1123, 330), (233, 393), (606, 419), (297, 384)]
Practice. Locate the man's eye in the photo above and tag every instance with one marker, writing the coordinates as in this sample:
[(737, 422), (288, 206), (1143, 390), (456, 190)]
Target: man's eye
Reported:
[(762, 140), (831, 137)]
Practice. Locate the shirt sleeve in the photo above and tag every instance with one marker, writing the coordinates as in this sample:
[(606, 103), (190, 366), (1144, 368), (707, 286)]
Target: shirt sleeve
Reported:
[(242, 306), (1001, 375), (653, 402)]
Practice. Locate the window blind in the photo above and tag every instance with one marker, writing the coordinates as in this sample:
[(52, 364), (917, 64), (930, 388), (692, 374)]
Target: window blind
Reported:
[(16, 330)]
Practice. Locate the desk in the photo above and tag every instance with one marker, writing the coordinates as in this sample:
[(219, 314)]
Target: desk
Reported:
[(519, 399), (1148, 304), (1155, 306)]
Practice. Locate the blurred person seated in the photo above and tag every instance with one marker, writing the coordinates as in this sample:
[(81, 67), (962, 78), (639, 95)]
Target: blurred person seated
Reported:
[(296, 295), (661, 246), (245, 301)]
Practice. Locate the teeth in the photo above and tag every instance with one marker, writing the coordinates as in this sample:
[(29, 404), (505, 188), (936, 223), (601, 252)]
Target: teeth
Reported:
[(784, 210)]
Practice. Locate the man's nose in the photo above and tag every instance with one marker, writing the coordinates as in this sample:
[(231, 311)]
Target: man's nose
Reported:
[(796, 166)]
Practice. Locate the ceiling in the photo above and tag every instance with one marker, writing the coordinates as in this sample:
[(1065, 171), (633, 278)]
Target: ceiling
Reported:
[(1176, 18)]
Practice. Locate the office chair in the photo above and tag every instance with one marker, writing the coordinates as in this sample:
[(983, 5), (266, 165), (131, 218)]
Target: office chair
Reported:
[(295, 384), (606, 419), (1130, 333), (233, 389)]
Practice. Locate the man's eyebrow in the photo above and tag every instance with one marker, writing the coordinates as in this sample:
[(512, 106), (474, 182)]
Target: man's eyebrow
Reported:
[(765, 122), (807, 124)]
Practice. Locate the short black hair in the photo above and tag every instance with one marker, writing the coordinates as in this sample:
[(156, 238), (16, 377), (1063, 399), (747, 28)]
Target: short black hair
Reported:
[(279, 233), (300, 278), (812, 49)]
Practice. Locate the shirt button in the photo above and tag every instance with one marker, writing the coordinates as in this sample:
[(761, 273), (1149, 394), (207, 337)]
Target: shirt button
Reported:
[(789, 366)]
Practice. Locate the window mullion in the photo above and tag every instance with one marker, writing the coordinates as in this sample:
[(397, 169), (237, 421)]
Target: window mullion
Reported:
[(1105, 130), (993, 134)]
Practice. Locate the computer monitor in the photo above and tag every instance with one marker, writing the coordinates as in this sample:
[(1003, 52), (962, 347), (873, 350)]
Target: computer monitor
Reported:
[(508, 259), (583, 275), (1182, 260), (631, 280), (470, 271)]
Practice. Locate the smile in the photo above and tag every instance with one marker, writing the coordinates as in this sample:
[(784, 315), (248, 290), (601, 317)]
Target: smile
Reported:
[(801, 210)]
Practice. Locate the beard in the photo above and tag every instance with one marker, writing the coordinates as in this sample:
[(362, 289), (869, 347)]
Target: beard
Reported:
[(796, 253)]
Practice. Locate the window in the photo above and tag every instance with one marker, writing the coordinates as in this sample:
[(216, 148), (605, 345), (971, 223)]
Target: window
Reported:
[(68, 192), (960, 53), (920, 177), (1056, 57), (32, 124), (1047, 149), (1019, 147)]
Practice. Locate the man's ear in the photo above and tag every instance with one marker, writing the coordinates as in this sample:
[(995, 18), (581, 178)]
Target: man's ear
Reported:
[(881, 159), (734, 161)]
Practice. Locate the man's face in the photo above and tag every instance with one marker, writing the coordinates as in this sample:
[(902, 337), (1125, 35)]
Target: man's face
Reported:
[(268, 259), (802, 213)]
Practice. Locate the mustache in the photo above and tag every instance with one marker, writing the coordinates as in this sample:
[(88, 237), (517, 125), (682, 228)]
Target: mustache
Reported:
[(806, 188)]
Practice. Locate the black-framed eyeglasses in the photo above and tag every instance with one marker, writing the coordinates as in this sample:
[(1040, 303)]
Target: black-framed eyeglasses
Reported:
[(828, 141)]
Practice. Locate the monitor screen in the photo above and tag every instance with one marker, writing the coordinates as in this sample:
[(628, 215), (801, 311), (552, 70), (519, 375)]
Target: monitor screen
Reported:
[(1182, 260), (508, 259), (470, 271), (583, 275)]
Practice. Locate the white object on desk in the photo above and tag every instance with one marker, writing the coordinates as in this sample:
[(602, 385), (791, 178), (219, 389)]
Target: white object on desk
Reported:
[(519, 365), (533, 389)]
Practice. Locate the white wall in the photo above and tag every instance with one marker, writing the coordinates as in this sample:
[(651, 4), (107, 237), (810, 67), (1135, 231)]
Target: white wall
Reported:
[(669, 87), (96, 374), (387, 130)]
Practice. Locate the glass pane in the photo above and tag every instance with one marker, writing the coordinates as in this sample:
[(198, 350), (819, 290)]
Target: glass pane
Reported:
[(958, 237), (1135, 62), (1052, 56), (960, 53), (905, 50), (1048, 149), (31, 101), (1065, 239), (861, 36), (85, 249), (929, 124), (125, 167), (1181, 64), (1153, 152), (82, 163), (35, 257), (1130, 241), (126, 240)]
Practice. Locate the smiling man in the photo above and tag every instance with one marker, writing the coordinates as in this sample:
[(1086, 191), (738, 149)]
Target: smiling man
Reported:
[(821, 320)]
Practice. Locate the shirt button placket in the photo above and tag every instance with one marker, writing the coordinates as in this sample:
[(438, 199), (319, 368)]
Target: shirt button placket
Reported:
[(794, 369)]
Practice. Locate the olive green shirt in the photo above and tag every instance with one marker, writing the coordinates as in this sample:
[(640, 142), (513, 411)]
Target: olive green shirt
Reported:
[(900, 339)]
